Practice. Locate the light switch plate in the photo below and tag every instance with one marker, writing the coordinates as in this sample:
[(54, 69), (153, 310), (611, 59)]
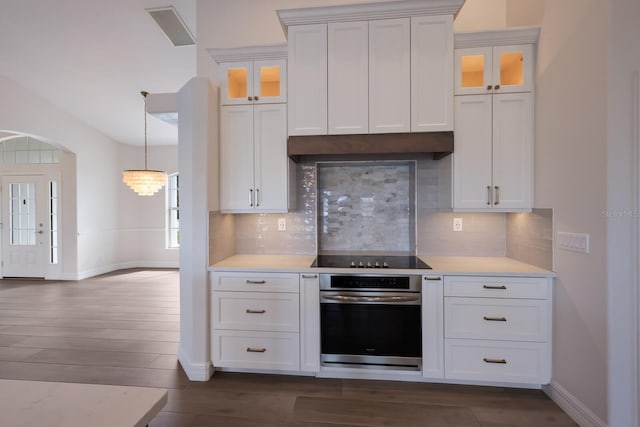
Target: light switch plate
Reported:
[(578, 242)]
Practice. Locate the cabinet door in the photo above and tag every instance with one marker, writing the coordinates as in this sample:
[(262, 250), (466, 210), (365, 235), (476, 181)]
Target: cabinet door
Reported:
[(472, 154), (309, 323), (512, 151), (432, 327), (389, 76), (432, 73), (269, 81), (512, 68), (348, 62), (307, 78), (271, 162), (236, 158), (236, 83), (473, 73)]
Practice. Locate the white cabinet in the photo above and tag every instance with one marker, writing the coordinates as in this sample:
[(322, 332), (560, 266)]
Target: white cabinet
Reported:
[(494, 69), (309, 323), (390, 75), (371, 76), (255, 321), (432, 73), (493, 157), (254, 168), (432, 327), (253, 82), (348, 77), (497, 329), (307, 62)]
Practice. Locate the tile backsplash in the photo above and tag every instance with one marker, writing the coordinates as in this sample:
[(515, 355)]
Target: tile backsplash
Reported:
[(484, 233), (530, 237), (366, 207)]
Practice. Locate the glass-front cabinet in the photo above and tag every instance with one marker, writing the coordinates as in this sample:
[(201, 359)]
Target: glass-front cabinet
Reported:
[(497, 69), (253, 82)]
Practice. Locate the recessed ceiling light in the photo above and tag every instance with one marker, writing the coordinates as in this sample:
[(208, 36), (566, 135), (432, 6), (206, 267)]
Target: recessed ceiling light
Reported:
[(172, 25)]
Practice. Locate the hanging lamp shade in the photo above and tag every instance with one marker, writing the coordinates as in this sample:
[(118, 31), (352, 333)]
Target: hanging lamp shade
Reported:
[(145, 182)]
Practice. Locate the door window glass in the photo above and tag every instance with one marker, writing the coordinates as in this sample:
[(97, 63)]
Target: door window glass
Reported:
[(53, 222), (22, 214), (472, 69), (237, 78), (512, 68), (270, 81)]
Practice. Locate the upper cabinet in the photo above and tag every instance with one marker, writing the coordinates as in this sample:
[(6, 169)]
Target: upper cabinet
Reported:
[(387, 69), (253, 82), (491, 64)]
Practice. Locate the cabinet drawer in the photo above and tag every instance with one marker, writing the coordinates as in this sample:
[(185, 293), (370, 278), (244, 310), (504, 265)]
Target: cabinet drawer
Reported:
[(496, 319), (275, 311), (496, 287), (256, 350), (499, 361), (255, 282)]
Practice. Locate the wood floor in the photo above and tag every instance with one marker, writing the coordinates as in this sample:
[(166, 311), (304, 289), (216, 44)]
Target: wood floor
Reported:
[(122, 329)]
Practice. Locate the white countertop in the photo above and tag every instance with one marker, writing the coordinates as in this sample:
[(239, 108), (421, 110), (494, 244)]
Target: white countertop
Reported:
[(38, 403), (439, 264)]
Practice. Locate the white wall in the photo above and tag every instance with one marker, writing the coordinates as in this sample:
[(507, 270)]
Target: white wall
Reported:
[(90, 243), (571, 178), (142, 233), (624, 213)]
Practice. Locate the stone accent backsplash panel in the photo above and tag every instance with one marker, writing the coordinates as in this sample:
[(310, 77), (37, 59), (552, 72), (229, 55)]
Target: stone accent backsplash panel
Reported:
[(366, 207)]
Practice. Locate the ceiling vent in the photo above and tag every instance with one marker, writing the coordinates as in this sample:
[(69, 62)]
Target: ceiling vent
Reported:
[(172, 25)]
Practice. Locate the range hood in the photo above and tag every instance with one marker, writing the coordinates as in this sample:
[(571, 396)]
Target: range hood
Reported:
[(366, 146)]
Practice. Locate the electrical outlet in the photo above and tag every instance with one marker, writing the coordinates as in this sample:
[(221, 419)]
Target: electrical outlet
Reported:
[(457, 224), (282, 224)]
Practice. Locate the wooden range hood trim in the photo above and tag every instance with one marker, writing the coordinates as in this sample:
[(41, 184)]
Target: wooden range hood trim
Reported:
[(438, 144)]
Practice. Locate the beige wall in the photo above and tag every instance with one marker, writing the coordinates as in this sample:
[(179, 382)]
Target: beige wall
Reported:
[(571, 177)]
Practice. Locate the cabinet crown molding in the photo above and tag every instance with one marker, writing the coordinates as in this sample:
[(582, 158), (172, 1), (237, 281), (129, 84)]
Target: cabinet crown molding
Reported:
[(509, 36), (367, 11), (248, 53)]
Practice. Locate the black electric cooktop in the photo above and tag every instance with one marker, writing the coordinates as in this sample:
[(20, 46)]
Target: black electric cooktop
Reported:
[(371, 261)]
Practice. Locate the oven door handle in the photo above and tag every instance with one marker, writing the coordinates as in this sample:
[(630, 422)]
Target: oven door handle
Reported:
[(390, 298)]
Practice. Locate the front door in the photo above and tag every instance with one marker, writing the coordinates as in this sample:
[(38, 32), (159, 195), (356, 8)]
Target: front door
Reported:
[(25, 229)]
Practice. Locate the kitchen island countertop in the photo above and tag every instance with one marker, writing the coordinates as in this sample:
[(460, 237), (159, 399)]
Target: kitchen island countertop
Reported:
[(462, 265)]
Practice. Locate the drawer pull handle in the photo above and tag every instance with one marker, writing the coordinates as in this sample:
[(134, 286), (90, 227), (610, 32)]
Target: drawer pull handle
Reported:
[(494, 286), (256, 282), (258, 350), (259, 311), (495, 319), (499, 361), (433, 278), (309, 276)]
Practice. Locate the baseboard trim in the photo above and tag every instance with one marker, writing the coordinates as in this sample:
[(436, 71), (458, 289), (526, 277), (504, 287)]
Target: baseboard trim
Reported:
[(120, 266), (572, 406), (194, 371)]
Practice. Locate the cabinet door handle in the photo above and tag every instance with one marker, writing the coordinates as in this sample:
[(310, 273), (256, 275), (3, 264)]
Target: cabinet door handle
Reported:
[(489, 87), (257, 197), (497, 188), (249, 311), (249, 98), (488, 194), (255, 98), (251, 197), (500, 361), (309, 276), (495, 319), (258, 350), (497, 87), (256, 282), (494, 286)]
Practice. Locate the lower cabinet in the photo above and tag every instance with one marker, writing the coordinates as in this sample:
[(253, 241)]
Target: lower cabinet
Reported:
[(255, 321), (497, 329)]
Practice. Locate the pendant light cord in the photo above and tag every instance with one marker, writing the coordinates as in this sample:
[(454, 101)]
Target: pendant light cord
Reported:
[(144, 93)]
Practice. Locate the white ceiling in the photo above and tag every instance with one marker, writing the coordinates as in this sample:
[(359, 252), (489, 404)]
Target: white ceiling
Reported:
[(93, 57)]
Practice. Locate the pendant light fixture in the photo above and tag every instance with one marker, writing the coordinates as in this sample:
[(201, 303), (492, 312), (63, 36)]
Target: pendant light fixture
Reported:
[(145, 182)]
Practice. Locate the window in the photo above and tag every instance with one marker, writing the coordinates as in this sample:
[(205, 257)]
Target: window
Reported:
[(173, 212), (22, 150)]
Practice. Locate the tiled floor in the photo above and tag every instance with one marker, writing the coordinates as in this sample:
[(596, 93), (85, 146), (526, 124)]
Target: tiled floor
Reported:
[(123, 329)]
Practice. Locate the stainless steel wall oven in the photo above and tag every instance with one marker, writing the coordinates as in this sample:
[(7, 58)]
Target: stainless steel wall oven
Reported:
[(371, 321)]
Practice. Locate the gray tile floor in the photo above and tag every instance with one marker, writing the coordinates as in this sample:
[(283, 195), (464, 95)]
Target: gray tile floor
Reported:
[(122, 329)]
